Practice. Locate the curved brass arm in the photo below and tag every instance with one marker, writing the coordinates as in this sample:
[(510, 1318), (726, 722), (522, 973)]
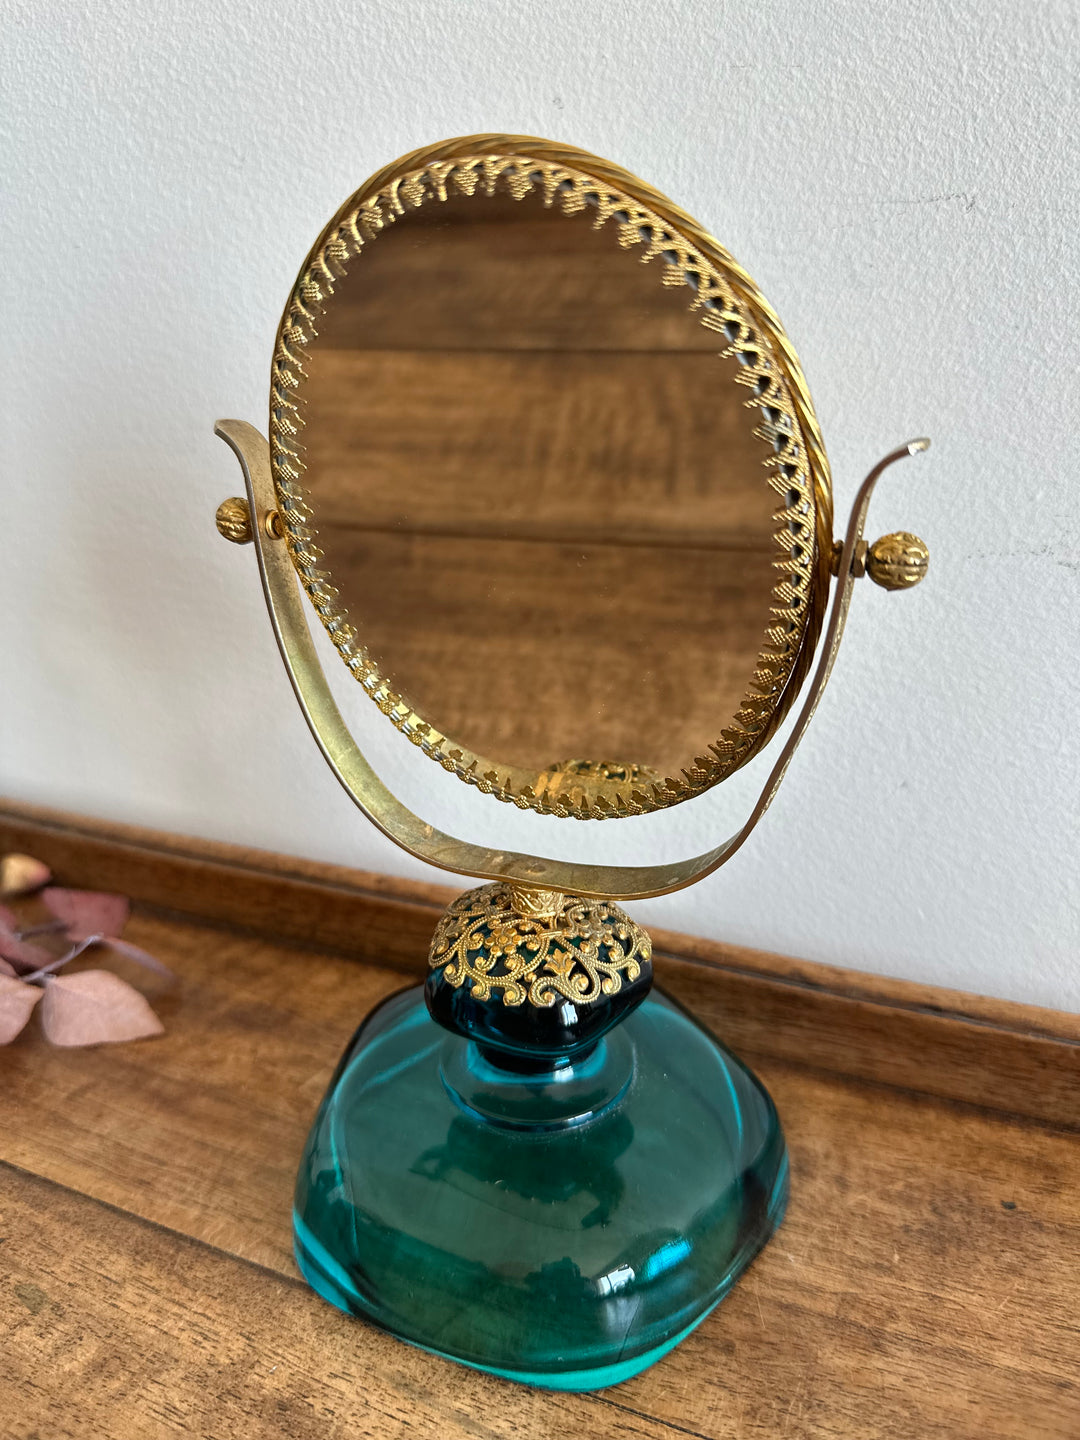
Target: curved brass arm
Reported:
[(381, 806)]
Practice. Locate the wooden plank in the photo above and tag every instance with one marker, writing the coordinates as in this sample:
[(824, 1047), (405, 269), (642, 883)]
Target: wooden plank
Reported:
[(533, 475), (114, 1328), (864, 985), (539, 445), (631, 654), (966, 1047), (949, 1053), (371, 917), (920, 1285), (202, 1131), (916, 1287), (498, 274)]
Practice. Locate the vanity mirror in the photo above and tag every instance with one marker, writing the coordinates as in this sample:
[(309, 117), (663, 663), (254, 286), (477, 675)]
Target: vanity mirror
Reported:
[(545, 464)]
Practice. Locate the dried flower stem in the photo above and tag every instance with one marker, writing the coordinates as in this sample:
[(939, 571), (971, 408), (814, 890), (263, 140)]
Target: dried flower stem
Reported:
[(40, 976)]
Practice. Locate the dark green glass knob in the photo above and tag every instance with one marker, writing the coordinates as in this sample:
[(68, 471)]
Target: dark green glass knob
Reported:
[(535, 977)]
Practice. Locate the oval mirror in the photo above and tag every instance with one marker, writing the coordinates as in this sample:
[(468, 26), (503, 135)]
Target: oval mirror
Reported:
[(550, 475)]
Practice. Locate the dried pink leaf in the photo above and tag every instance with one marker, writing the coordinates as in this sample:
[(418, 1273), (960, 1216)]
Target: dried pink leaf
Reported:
[(16, 1002), (20, 953), (87, 912), (22, 874), (95, 1007)]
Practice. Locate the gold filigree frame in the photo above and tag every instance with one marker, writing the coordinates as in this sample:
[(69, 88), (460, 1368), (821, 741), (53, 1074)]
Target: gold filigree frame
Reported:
[(583, 951), (728, 303)]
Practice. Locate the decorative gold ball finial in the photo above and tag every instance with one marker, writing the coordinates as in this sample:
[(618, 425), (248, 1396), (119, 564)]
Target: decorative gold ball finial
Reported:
[(233, 520), (897, 561)]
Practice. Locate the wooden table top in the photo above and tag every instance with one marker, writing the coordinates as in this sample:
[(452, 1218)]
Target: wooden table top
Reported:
[(925, 1283)]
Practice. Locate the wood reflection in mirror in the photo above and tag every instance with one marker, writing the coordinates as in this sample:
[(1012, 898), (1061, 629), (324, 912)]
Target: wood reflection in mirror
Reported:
[(538, 487)]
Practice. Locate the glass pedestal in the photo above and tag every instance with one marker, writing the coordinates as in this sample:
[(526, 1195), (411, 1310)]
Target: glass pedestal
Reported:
[(558, 1222)]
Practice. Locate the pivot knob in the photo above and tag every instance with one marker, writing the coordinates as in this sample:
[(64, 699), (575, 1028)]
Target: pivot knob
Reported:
[(898, 561)]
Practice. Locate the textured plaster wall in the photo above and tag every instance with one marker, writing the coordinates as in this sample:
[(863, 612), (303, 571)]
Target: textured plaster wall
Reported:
[(902, 181)]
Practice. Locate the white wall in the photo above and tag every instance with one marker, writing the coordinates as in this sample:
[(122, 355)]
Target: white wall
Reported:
[(900, 178)]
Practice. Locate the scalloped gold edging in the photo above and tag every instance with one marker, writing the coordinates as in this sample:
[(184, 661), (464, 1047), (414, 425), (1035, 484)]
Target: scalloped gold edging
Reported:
[(729, 304)]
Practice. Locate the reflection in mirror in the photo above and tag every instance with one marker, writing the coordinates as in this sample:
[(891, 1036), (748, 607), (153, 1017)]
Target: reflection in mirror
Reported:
[(546, 504)]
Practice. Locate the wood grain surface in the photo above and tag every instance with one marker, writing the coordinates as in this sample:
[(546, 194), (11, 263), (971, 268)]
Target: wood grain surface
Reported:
[(535, 478), (536, 445), (495, 528), (492, 273), (639, 655), (925, 1282), (920, 1037), (115, 1327)]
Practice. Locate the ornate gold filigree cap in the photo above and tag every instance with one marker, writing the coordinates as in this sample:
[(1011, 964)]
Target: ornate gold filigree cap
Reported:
[(538, 945)]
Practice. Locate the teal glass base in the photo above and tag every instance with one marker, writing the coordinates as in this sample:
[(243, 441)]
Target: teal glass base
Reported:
[(563, 1227)]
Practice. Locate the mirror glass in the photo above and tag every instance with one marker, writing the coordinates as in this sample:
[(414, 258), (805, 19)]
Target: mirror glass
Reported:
[(539, 454)]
